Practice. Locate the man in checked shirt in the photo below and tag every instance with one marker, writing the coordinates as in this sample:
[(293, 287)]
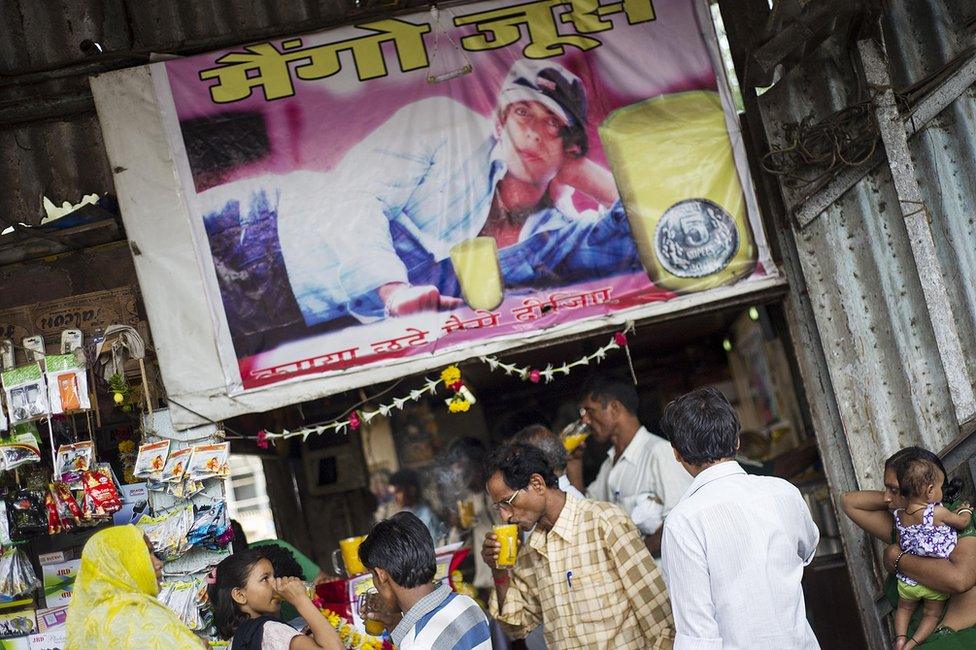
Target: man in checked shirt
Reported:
[(584, 570)]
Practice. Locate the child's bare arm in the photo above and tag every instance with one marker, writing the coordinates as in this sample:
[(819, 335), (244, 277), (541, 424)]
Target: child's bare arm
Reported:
[(955, 519)]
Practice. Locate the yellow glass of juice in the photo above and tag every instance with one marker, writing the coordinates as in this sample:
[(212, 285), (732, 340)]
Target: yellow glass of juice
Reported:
[(465, 513), (673, 162), (349, 548), (507, 535), (476, 265), (371, 602), (574, 440)]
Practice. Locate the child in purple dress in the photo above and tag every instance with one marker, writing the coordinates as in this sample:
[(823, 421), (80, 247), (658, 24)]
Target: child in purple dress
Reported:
[(927, 529)]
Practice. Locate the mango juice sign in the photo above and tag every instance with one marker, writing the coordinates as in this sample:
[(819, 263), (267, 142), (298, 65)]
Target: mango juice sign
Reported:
[(411, 185)]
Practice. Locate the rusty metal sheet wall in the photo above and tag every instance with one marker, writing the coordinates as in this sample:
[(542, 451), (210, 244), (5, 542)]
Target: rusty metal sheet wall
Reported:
[(856, 258)]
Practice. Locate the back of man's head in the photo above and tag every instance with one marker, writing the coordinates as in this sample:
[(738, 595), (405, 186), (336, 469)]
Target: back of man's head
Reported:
[(547, 441), (401, 546), (702, 426), (517, 462), (604, 390)]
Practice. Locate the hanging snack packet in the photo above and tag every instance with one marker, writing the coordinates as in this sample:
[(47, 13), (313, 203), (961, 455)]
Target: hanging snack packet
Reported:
[(19, 450), (183, 598), (210, 529), (101, 495), (67, 383), (4, 525), (210, 461), (176, 465), (28, 515), (73, 461), (167, 532), (54, 525), (17, 577), (151, 460), (67, 507), (26, 393), (185, 489)]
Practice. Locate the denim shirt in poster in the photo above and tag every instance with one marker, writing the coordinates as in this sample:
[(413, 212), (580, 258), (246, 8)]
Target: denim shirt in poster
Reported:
[(400, 199)]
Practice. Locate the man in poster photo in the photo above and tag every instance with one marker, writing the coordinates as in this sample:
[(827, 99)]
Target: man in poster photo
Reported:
[(371, 238)]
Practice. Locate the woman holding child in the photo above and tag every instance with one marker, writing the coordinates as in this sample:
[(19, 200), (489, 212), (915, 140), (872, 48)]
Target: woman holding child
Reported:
[(933, 556)]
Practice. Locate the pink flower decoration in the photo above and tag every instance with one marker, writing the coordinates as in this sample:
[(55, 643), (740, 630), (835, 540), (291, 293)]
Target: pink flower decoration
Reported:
[(456, 386), (263, 439), (535, 376), (354, 421), (620, 339)]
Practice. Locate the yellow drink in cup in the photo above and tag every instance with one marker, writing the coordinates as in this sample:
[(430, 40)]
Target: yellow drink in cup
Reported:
[(349, 548), (507, 535), (673, 162), (371, 602), (374, 628), (466, 513), (476, 265), (572, 441)]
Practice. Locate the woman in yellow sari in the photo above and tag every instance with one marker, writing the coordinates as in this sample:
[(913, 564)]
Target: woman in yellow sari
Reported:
[(114, 603)]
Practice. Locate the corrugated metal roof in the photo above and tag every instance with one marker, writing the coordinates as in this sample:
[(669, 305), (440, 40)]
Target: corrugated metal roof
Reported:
[(50, 141), (857, 260)]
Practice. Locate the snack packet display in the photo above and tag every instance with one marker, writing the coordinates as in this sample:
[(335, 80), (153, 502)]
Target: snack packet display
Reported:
[(54, 525), (101, 494), (64, 502), (74, 460), (176, 465), (185, 489), (210, 528), (167, 532), (17, 577), (151, 460), (19, 450), (26, 393), (4, 524), (188, 599), (67, 383), (209, 461), (27, 513)]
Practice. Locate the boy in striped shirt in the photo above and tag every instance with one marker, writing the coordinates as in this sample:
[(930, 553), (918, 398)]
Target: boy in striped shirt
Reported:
[(400, 554)]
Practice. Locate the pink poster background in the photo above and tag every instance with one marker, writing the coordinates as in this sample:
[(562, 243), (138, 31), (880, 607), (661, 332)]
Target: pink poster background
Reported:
[(324, 119)]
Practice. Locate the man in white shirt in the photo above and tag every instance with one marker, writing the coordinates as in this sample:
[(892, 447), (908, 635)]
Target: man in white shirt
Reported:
[(640, 473), (735, 546), (552, 446)]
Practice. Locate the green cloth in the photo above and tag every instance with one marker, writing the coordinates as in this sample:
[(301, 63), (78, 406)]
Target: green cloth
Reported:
[(941, 639), (310, 571)]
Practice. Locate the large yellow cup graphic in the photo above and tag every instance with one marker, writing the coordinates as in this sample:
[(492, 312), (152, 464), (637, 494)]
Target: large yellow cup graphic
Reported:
[(476, 265), (673, 163), (349, 549)]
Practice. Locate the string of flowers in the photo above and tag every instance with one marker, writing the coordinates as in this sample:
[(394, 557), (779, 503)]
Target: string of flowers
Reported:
[(535, 375), (461, 401)]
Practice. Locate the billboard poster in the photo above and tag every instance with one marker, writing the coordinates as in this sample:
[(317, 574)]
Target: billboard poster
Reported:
[(425, 182)]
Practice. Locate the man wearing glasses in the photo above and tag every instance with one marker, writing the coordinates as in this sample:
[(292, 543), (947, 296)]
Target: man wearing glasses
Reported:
[(584, 569)]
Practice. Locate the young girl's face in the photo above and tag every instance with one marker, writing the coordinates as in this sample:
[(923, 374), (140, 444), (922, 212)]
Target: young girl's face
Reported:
[(257, 597)]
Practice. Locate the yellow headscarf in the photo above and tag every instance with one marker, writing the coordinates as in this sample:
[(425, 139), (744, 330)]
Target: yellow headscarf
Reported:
[(114, 602)]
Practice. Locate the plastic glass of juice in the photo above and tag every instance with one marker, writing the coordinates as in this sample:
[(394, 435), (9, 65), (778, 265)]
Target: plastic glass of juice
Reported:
[(507, 535)]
